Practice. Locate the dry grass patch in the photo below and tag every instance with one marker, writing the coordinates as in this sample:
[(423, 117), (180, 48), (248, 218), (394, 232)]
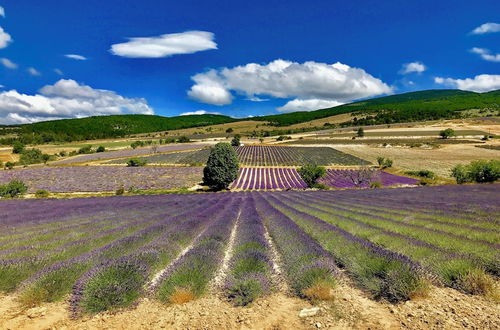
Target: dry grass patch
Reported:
[(181, 296)]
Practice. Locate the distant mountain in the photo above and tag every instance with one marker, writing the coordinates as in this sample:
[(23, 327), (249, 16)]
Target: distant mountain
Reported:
[(115, 126), (413, 106)]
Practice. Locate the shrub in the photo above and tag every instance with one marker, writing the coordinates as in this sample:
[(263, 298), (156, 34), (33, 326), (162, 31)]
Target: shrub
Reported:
[(13, 189), (245, 291), (33, 156), (235, 142), (376, 184), (283, 138), (478, 171), (9, 165), (85, 150), (222, 167), (41, 193), (447, 133), (136, 162), (311, 173), (229, 130), (62, 153), (384, 162), (422, 173), (1, 163), (18, 147), (183, 139), (101, 149), (120, 191), (360, 132)]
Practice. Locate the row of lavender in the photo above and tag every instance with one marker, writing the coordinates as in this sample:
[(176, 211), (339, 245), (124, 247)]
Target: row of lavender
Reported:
[(393, 243)]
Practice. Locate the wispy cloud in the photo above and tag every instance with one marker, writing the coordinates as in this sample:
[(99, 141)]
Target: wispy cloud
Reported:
[(486, 28), (34, 72), (165, 45), (8, 63), (2, 11), (486, 54), (413, 67), (5, 38), (59, 72), (76, 57), (199, 112)]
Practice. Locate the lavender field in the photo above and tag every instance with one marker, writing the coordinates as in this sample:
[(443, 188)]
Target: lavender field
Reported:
[(128, 153), (392, 243), (104, 178), (268, 178), (363, 179)]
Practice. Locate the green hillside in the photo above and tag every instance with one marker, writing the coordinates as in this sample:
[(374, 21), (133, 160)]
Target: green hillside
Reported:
[(114, 126), (407, 107)]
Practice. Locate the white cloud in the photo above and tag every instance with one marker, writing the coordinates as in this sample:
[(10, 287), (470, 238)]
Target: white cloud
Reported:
[(481, 83), (34, 72), (308, 105), (2, 11), (76, 57), (486, 54), (284, 79), (66, 99), (59, 72), (487, 28), (199, 112), (165, 45), (256, 99), (5, 38), (417, 67), (8, 63)]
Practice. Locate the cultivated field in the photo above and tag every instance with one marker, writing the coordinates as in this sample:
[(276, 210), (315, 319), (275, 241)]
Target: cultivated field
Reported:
[(268, 178), (103, 178), (390, 245), (358, 179)]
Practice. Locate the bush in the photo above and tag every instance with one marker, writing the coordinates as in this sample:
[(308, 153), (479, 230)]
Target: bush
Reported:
[(283, 138), (479, 171), (33, 156), (100, 149), (13, 189), (85, 150), (229, 130), (222, 167), (447, 133), (9, 165), (183, 139), (62, 153), (384, 162), (18, 147), (136, 162), (422, 173), (41, 193), (376, 184), (311, 173), (136, 144), (1, 163), (120, 191), (235, 142), (360, 132)]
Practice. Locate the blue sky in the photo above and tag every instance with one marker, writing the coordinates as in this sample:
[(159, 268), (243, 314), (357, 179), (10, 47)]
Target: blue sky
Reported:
[(239, 58)]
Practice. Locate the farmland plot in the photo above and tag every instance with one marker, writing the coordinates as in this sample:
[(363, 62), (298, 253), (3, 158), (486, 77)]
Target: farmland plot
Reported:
[(268, 178), (357, 178), (104, 178), (393, 243)]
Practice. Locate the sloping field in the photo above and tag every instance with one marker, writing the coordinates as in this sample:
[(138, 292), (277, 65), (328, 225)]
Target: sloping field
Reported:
[(262, 156), (103, 178), (267, 178), (127, 153), (393, 244)]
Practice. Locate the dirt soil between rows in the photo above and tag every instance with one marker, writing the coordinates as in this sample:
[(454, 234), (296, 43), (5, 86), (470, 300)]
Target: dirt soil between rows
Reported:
[(350, 309)]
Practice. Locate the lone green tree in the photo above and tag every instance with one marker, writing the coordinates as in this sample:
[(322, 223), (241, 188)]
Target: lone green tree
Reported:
[(360, 132), (311, 173), (235, 142), (222, 167), (447, 133)]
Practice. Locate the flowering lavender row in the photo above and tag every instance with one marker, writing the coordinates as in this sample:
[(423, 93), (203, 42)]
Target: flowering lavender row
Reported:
[(354, 179), (382, 272), (307, 265), (438, 260), (128, 153), (250, 265), (104, 178), (294, 156), (134, 269), (189, 276), (268, 178)]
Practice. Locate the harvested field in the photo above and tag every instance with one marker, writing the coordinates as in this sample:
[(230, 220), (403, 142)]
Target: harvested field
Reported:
[(103, 178), (391, 141), (174, 158), (391, 245)]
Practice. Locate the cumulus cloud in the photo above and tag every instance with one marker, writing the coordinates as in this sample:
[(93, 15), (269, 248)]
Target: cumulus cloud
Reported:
[(76, 57), (308, 105), (285, 79), (487, 28), (486, 54), (2, 11), (481, 83), (5, 38), (66, 99), (165, 45), (417, 67), (8, 63), (34, 72), (199, 112)]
